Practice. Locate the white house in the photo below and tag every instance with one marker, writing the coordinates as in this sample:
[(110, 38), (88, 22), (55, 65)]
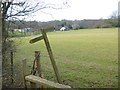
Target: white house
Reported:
[(63, 29), (24, 30)]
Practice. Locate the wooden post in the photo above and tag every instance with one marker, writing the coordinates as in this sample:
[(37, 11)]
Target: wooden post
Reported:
[(11, 56), (37, 59), (38, 64), (51, 56), (24, 72)]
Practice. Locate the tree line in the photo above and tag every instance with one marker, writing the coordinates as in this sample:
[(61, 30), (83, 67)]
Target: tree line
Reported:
[(70, 24)]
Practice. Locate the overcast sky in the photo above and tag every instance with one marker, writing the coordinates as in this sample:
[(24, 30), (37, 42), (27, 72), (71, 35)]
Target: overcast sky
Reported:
[(78, 10)]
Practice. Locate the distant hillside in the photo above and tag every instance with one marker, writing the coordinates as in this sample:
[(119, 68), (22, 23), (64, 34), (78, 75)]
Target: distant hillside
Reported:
[(71, 24)]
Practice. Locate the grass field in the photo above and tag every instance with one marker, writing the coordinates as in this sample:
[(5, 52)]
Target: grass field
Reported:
[(85, 58)]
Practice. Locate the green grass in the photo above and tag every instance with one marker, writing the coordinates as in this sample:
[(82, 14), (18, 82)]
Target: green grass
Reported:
[(85, 58)]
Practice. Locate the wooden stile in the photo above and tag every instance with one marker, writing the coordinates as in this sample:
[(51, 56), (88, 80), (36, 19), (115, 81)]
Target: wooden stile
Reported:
[(44, 36), (39, 80), (44, 82)]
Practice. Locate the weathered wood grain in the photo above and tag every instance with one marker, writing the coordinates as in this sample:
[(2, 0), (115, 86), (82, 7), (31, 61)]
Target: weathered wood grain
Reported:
[(44, 82)]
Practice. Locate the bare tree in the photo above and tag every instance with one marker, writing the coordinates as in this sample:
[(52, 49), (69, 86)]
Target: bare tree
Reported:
[(12, 9), (113, 20)]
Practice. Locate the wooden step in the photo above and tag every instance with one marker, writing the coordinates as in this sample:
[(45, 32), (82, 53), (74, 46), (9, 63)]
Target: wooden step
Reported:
[(44, 82)]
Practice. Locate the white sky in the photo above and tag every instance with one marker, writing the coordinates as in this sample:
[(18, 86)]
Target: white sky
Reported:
[(78, 10)]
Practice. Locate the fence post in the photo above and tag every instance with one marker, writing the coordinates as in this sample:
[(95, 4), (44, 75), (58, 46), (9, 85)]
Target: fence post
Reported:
[(24, 72), (38, 64), (11, 57), (37, 60)]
